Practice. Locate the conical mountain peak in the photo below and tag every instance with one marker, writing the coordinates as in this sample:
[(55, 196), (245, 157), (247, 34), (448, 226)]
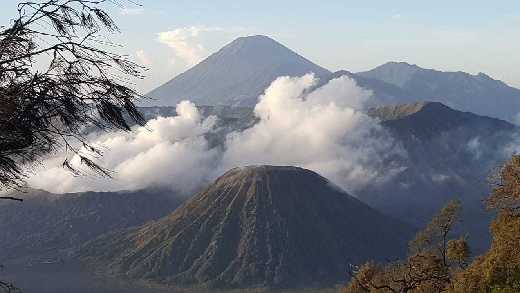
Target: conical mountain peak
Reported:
[(255, 226), (253, 40), (235, 75)]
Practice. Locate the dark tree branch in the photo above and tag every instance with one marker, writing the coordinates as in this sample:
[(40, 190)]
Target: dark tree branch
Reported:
[(11, 198), (80, 84)]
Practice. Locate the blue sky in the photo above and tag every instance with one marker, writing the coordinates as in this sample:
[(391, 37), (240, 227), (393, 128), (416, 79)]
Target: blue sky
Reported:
[(473, 36)]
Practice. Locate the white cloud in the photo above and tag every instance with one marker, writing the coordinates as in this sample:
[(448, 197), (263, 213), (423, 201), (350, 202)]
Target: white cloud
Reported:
[(323, 130), (474, 147), (396, 16), (168, 152), (185, 42)]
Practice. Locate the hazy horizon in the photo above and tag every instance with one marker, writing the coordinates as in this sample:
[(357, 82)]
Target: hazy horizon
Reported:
[(171, 36)]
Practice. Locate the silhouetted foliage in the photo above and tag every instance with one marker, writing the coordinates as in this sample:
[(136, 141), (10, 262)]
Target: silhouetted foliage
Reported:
[(433, 259), (59, 77)]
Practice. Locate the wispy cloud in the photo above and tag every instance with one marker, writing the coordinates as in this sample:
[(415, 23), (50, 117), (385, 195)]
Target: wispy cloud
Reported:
[(185, 42)]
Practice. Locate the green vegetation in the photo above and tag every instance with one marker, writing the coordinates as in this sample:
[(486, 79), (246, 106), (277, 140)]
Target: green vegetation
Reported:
[(498, 270)]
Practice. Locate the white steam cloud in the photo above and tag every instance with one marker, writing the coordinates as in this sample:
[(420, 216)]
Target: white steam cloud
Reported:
[(323, 130), (168, 152), (474, 147)]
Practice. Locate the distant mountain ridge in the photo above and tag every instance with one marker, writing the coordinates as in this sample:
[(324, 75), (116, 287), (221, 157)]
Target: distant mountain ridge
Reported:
[(479, 93), (450, 154), (427, 118), (48, 226), (235, 75), (257, 226), (239, 73), (395, 112)]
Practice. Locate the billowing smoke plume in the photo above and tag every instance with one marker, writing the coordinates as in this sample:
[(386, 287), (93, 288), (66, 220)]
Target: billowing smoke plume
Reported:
[(168, 152), (323, 130)]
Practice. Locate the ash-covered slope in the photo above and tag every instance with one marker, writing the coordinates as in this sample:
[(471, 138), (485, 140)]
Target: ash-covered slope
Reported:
[(235, 75), (46, 227), (479, 93), (255, 226)]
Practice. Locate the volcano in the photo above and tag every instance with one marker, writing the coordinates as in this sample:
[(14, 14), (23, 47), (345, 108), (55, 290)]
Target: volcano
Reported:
[(235, 75), (257, 226)]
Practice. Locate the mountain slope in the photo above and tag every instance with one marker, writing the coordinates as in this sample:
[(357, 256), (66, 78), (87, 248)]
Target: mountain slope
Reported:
[(47, 226), (235, 75), (424, 119), (255, 226), (479, 93), (450, 155), (384, 93)]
